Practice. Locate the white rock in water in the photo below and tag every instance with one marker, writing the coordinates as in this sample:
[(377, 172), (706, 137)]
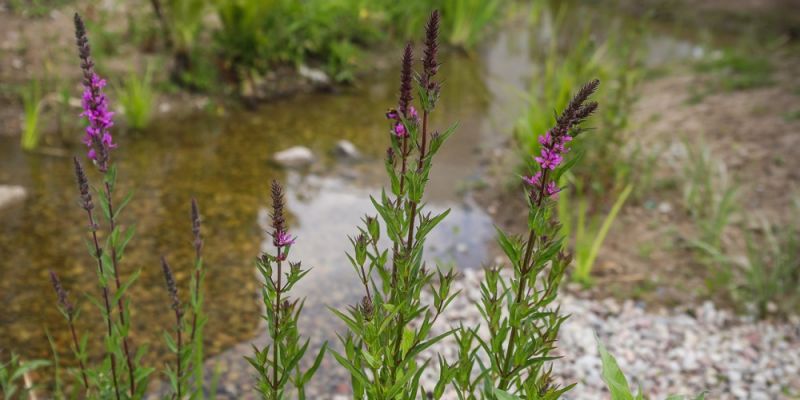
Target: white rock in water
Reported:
[(294, 157), (10, 194), (346, 149), (314, 75)]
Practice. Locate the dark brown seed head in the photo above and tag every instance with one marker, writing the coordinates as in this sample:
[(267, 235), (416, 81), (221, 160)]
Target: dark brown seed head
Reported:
[(586, 111), (278, 223), (367, 307), (429, 64), (576, 111), (198, 239), (405, 80), (83, 185), (61, 294), (172, 288), (84, 50)]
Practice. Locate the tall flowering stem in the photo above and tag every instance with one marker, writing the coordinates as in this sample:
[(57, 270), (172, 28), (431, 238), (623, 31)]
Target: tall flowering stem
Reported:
[(188, 353), (521, 344), (404, 112), (278, 366), (175, 304), (100, 143), (70, 312), (88, 205), (391, 325)]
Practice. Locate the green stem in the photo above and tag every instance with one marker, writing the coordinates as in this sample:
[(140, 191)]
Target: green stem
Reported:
[(277, 331), (524, 270), (98, 252), (120, 302)]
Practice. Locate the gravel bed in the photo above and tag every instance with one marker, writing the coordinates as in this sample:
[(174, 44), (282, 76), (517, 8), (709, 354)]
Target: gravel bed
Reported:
[(679, 351), (683, 351)]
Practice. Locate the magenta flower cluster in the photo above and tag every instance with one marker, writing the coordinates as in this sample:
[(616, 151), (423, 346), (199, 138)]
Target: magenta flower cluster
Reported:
[(550, 189), (553, 149), (283, 239), (95, 109), (398, 128), (550, 157)]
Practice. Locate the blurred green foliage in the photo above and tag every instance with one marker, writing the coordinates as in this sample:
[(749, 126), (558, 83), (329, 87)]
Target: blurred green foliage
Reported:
[(254, 36)]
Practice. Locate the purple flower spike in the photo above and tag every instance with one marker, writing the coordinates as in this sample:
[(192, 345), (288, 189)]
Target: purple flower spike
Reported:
[(95, 104), (95, 109)]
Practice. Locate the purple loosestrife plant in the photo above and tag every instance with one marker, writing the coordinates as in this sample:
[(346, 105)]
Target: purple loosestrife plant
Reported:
[(278, 364), (187, 379), (105, 380), (522, 321), (390, 327)]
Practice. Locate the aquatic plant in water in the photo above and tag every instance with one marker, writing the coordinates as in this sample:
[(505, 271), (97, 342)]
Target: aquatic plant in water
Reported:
[(32, 105)]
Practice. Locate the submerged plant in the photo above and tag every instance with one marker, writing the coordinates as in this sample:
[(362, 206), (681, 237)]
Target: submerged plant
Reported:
[(32, 106), (278, 364), (391, 326), (137, 98)]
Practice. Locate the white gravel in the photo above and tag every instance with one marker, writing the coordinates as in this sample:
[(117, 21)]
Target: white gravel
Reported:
[(665, 352)]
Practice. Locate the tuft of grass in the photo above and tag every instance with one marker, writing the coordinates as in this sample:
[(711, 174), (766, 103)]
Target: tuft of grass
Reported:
[(465, 21), (589, 231), (709, 196), (13, 371), (710, 199), (137, 97), (32, 107), (771, 269), (737, 69)]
